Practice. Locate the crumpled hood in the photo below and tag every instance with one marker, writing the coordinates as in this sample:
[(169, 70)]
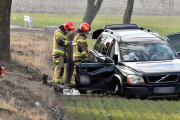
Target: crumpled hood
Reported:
[(168, 66)]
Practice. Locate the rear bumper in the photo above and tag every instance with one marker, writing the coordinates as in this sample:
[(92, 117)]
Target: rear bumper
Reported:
[(151, 90)]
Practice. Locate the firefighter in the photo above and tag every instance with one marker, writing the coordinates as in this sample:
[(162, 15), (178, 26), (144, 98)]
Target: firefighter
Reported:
[(59, 49), (80, 51)]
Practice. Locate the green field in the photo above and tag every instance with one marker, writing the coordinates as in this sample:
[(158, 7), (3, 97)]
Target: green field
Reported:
[(162, 24), (96, 107), (113, 107)]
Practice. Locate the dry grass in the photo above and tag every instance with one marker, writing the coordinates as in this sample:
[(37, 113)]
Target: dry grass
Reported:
[(21, 97), (32, 50), (20, 88), (31, 114)]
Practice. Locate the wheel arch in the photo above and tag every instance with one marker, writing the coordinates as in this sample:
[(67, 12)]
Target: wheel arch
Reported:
[(119, 80)]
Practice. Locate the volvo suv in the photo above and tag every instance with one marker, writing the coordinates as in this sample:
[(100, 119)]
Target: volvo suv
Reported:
[(131, 61)]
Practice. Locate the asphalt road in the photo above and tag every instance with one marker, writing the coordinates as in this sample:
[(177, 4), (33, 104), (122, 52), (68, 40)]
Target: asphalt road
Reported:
[(141, 7)]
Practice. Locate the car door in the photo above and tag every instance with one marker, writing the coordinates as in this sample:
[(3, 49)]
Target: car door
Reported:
[(97, 72), (175, 41)]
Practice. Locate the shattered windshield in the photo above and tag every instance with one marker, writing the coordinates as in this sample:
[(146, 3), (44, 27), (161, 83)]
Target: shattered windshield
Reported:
[(146, 51)]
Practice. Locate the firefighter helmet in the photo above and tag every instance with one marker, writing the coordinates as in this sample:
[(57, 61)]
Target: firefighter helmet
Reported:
[(85, 27), (69, 26)]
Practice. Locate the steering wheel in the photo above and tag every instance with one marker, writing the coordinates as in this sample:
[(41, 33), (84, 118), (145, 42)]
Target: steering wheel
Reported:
[(154, 57)]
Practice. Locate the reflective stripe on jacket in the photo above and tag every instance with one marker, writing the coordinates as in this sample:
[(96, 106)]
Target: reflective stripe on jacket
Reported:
[(59, 49)]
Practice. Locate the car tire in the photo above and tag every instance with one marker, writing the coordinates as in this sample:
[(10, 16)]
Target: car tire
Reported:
[(130, 96), (143, 97), (118, 87)]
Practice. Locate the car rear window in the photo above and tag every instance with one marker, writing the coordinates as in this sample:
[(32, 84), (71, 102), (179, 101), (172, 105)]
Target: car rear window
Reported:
[(99, 42), (105, 45)]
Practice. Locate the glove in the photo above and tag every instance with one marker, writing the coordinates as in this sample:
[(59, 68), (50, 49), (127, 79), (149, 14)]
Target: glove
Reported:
[(73, 43), (84, 54)]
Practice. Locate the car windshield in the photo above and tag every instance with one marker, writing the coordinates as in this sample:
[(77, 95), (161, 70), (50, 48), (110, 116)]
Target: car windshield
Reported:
[(146, 51)]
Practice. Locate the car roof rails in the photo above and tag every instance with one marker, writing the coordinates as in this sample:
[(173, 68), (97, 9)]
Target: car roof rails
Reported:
[(121, 26), (152, 32), (109, 30)]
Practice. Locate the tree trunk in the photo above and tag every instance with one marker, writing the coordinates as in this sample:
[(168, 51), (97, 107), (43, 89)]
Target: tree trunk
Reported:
[(92, 9), (5, 11), (128, 12)]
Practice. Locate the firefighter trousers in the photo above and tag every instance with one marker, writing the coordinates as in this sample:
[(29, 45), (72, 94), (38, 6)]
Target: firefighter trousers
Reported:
[(59, 68)]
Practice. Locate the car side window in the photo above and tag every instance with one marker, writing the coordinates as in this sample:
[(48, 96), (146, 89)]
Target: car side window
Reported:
[(105, 45), (99, 42)]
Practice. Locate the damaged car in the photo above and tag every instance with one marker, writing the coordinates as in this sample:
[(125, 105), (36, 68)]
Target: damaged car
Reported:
[(131, 61)]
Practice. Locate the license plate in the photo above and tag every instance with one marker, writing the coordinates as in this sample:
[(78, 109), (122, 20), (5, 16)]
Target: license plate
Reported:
[(164, 90)]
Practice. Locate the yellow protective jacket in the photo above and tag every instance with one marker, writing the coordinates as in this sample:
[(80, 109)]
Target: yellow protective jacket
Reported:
[(60, 43), (80, 51)]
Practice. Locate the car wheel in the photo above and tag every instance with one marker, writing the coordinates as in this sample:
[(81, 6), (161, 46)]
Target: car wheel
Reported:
[(130, 96), (118, 88), (143, 97)]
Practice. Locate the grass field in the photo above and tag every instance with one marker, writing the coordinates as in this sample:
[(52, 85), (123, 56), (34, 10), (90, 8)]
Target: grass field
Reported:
[(162, 24), (112, 107), (96, 107)]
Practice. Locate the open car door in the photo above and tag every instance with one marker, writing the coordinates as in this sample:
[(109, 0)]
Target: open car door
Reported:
[(96, 74), (175, 41)]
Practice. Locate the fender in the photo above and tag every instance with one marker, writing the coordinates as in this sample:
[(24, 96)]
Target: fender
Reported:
[(120, 81)]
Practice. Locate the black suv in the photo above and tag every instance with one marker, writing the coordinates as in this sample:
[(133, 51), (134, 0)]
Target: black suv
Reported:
[(131, 61)]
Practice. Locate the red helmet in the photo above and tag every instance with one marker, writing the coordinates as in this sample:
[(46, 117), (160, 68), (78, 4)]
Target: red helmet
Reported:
[(69, 26), (85, 27)]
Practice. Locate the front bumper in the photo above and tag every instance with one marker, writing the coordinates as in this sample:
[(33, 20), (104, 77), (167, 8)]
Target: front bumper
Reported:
[(147, 90)]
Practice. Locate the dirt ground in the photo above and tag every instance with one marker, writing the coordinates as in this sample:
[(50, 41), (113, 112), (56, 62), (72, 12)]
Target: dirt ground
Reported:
[(141, 7), (22, 94)]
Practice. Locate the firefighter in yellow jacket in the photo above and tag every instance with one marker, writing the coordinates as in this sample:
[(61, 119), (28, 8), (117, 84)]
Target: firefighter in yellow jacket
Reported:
[(59, 49), (80, 51)]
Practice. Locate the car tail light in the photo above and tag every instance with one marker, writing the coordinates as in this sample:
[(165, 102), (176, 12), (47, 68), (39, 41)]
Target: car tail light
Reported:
[(2, 71)]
